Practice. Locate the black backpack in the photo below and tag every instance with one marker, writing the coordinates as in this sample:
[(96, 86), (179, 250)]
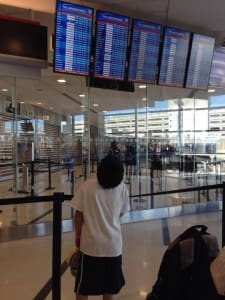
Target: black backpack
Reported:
[(184, 272)]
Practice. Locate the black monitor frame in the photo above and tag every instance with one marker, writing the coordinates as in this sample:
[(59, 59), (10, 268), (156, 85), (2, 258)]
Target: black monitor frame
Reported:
[(130, 51), (188, 65), (55, 40), (95, 44), (186, 58)]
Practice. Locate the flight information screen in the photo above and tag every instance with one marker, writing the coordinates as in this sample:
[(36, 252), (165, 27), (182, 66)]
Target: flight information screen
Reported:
[(73, 35), (200, 62), (111, 45), (217, 74), (145, 45), (174, 57)]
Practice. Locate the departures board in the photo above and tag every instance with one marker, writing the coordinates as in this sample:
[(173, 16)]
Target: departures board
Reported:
[(174, 57), (73, 37), (145, 45), (200, 62), (112, 32)]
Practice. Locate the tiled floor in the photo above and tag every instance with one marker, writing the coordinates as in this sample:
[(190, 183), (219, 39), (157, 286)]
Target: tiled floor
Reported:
[(26, 263)]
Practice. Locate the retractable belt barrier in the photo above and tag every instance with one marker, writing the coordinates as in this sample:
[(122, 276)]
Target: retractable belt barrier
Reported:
[(198, 188), (57, 199)]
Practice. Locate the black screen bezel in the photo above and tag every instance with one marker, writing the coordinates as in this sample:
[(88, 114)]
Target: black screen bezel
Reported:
[(95, 38), (54, 58), (159, 51)]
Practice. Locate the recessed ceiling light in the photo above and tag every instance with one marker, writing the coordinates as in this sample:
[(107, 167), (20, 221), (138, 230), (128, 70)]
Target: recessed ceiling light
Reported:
[(39, 103), (61, 80), (142, 86), (21, 102), (5, 90), (95, 105), (211, 90), (82, 95), (82, 106), (144, 99)]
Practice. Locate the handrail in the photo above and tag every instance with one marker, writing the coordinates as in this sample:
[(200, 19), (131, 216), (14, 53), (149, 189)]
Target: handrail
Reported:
[(57, 199)]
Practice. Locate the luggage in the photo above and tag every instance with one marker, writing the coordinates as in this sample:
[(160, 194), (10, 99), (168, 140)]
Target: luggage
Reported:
[(184, 271)]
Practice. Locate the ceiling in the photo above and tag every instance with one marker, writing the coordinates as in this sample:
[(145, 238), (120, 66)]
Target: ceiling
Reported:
[(202, 16)]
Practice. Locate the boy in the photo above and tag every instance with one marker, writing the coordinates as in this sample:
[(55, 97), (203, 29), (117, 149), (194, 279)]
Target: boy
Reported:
[(99, 205)]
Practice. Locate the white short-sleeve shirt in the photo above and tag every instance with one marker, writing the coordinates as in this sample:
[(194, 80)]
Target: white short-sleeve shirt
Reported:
[(101, 208)]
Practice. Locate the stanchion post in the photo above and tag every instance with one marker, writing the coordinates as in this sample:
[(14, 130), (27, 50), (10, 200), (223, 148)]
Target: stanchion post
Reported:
[(207, 191), (72, 190), (85, 169), (92, 165), (56, 246), (72, 183), (49, 176), (152, 186), (199, 196), (152, 191), (32, 179), (68, 172), (139, 190), (130, 192), (223, 216)]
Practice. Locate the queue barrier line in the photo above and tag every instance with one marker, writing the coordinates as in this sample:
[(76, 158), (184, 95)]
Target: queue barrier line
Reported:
[(57, 199)]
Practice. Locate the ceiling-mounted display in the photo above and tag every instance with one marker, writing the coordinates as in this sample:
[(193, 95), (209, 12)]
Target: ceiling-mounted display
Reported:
[(144, 54), (174, 57), (73, 36), (200, 62), (111, 45), (217, 74), (23, 41)]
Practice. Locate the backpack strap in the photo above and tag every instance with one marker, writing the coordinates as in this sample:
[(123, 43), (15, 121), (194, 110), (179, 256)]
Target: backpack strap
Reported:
[(187, 247), (192, 231), (196, 229), (190, 241), (186, 252)]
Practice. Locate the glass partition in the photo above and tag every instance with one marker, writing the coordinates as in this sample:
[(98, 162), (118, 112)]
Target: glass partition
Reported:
[(173, 145), (167, 138)]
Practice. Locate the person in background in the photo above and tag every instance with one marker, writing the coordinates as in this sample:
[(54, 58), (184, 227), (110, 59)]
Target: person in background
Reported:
[(99, 205), (114, 149), (128, 161)]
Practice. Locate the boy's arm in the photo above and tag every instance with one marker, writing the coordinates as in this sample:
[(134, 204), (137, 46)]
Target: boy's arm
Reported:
[(78, 222)]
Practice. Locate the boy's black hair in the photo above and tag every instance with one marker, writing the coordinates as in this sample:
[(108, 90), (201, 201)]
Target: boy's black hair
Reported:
[(110, 172)]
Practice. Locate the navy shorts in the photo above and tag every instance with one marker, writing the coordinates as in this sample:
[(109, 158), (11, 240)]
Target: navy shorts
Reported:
[(99, 275)]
